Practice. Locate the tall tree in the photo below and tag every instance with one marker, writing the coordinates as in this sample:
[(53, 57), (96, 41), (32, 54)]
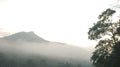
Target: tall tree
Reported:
[(107, 32)]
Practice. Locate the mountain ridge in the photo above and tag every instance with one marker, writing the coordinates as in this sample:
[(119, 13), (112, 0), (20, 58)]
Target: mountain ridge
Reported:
[(24, 36)]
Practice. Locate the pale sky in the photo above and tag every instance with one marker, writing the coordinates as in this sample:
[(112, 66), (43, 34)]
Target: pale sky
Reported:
[(64, 21)]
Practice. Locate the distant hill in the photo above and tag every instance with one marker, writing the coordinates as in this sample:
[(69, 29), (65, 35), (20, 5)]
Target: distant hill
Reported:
[(26, 49), (24, 36)]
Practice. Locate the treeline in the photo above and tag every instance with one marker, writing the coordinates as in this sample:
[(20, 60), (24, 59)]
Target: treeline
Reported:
[(17, 61)]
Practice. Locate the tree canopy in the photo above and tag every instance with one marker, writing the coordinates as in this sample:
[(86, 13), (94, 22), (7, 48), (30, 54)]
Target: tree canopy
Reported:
[(108, 33)]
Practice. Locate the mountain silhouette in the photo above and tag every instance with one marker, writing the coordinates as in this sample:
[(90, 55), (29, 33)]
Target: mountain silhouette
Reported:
[(24, 36)]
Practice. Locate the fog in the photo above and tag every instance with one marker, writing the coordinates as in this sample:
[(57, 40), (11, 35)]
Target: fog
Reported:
[(52, 50)]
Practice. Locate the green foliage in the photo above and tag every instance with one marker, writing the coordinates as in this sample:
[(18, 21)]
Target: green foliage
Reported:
[(103, 26), (108, 33)]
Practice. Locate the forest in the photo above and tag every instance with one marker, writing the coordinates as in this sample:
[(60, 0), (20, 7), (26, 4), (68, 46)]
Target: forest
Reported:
[(33, 61)]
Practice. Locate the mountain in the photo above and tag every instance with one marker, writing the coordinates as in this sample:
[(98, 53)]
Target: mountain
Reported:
[(24, 36), (26, 49)]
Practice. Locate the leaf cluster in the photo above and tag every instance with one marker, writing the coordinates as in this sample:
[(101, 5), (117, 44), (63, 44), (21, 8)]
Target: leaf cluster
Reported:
[(108, 33)]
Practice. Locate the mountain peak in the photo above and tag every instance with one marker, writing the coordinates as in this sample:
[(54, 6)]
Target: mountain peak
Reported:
[(31, 32), (25, 36)]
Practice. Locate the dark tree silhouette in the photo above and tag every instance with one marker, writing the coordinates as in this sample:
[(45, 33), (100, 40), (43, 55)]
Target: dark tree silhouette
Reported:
[(107, 32)]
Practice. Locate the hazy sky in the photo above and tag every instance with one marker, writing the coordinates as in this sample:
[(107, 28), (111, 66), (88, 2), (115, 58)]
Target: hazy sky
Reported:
[(65, 21)]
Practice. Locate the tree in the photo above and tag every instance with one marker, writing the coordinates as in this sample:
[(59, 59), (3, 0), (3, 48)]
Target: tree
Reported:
[(107, 32)]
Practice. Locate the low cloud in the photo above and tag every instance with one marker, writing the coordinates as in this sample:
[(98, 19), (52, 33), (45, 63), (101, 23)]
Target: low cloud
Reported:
[(53, 50)]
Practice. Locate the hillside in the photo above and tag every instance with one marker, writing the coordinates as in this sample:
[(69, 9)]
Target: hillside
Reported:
[(20, 51), (24, 36)]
